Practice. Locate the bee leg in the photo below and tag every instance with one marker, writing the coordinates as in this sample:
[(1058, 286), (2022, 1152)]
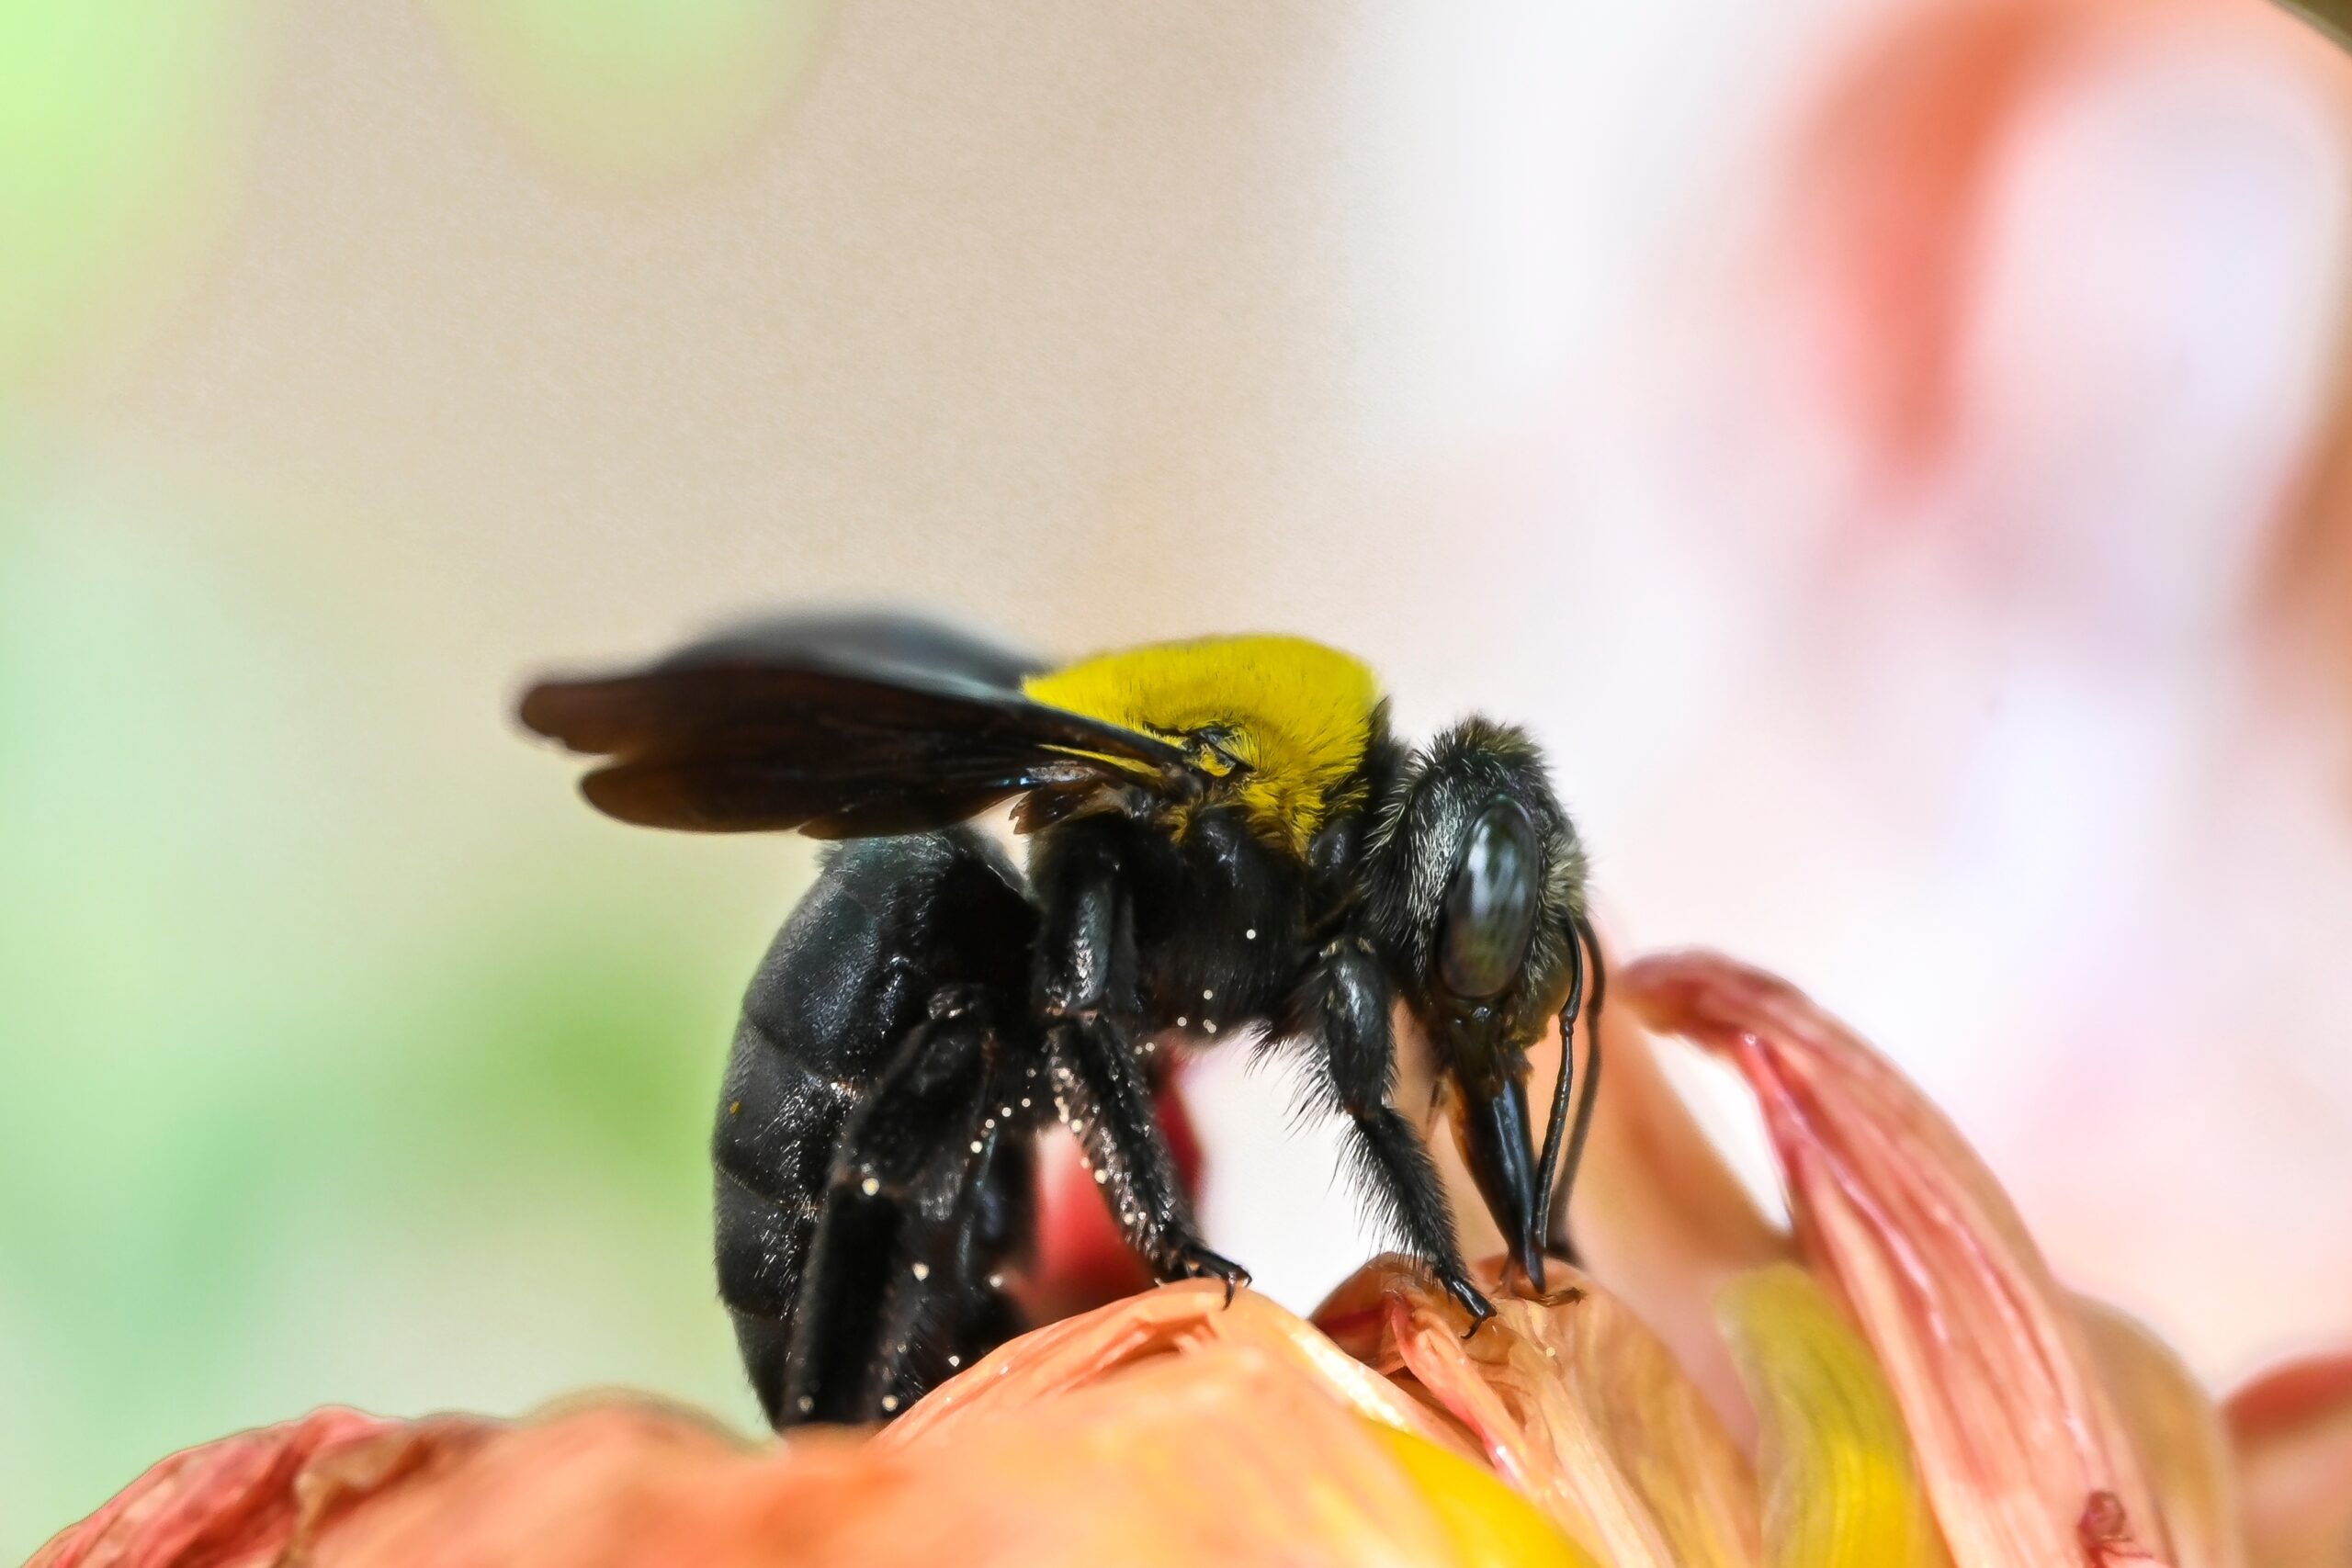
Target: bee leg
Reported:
[(1102, 1093), (1085, 962), (1343, 1005), (883, 1263)]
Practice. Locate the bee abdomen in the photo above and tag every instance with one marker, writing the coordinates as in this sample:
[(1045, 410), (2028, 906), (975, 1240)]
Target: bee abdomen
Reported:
[(891, 925)]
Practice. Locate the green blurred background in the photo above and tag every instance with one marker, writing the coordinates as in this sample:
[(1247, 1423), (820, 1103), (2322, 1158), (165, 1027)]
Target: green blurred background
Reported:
[(358, 360), (345, 1058)]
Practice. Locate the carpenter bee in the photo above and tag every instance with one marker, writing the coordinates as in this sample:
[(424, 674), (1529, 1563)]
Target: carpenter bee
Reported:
[(1223, 838)]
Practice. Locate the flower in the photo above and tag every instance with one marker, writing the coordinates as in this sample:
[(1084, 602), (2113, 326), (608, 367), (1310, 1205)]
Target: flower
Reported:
[(1900, 1382)]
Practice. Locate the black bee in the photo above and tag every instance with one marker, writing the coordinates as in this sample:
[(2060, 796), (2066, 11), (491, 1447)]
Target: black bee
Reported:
[(1223, 838)]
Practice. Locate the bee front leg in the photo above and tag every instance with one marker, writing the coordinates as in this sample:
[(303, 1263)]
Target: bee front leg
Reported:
[(1085, 962), (1343, 1005)]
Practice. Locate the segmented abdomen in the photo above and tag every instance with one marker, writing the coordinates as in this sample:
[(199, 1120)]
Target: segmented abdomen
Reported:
[(888, 924)]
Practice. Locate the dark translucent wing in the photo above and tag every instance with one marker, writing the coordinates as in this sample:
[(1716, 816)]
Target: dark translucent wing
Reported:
[(865, 638), (839, 740)]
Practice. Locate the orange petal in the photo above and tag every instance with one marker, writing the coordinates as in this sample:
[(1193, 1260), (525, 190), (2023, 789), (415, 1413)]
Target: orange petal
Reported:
[(1233, 1453), (1183, 1318), (2292, 1433), (231, 1501), (2020, 1447), (2177, 1431), (1577, 1402)]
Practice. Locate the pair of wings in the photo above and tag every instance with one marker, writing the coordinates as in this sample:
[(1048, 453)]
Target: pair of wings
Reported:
[(840, 727)]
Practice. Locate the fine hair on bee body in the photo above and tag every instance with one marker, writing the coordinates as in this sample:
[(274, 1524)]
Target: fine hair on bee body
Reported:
[(1222, 838)]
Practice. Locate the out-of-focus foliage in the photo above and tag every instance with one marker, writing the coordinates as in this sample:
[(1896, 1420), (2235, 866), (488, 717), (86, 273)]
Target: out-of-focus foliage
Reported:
[(117, 122), (328, 1067)]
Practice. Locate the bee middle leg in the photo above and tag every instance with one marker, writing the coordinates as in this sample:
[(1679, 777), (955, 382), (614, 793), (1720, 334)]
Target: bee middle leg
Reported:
[(1344, 1004), (1101, 1090), (1085, 971)]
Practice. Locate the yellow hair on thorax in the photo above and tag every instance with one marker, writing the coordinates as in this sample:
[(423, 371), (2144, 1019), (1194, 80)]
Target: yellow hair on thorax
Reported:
[(1298, 715)]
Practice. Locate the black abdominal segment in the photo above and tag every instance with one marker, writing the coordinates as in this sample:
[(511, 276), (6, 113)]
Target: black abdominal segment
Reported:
[(871, 1189)]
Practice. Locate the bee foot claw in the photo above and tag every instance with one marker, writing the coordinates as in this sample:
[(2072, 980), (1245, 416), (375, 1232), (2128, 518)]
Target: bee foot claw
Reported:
[(1474, 1301), (1194, 1261)]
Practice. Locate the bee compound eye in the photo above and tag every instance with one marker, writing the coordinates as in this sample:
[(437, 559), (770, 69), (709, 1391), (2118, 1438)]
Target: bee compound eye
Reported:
[(1489, 912)]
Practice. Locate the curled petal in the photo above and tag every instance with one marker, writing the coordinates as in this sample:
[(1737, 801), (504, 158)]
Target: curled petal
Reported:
[(1840, 1489), (2178, 1434), (2292, 1430), (2020, 1447), (1577, 1402), (242, 1499), (1183, 1318)]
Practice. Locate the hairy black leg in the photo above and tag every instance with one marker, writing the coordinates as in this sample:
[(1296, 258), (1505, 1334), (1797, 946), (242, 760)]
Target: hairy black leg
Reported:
[(1100, 1090), (1556, 1235), (1085, 973), (901, 1184), (1343, 1005)]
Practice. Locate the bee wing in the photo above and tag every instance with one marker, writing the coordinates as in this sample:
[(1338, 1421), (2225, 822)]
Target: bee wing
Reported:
[(840, 727), (865, 638)]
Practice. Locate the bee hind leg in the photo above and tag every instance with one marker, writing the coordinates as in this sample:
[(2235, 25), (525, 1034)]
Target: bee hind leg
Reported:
[(928, 1190)]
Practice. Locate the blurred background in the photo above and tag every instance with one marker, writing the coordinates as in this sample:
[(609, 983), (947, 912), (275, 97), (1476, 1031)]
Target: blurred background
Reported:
[(1896, 453)]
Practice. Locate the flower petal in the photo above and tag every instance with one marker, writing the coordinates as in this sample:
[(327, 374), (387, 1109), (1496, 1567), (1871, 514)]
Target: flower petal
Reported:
[(1574, 1401), (237, 1499), (1184, 1317), (1487, 1520), (1840, 1489), (2177, 1432), (1657, 1211), (2020, 1447), (1232, 1453), (2292, 1433)]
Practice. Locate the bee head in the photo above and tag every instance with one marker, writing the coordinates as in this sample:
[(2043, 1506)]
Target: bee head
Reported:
[(1477, 875)]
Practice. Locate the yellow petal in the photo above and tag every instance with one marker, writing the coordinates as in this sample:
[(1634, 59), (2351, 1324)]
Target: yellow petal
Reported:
[(1491, 1524), (1840, 1489)]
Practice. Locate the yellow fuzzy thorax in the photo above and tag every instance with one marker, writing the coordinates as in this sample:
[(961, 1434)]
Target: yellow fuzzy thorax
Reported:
[(1297, 714)]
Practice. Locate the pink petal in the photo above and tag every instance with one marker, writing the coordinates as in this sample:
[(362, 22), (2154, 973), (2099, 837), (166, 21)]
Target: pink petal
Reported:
[(2020, 1445), (2292, 1430)]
